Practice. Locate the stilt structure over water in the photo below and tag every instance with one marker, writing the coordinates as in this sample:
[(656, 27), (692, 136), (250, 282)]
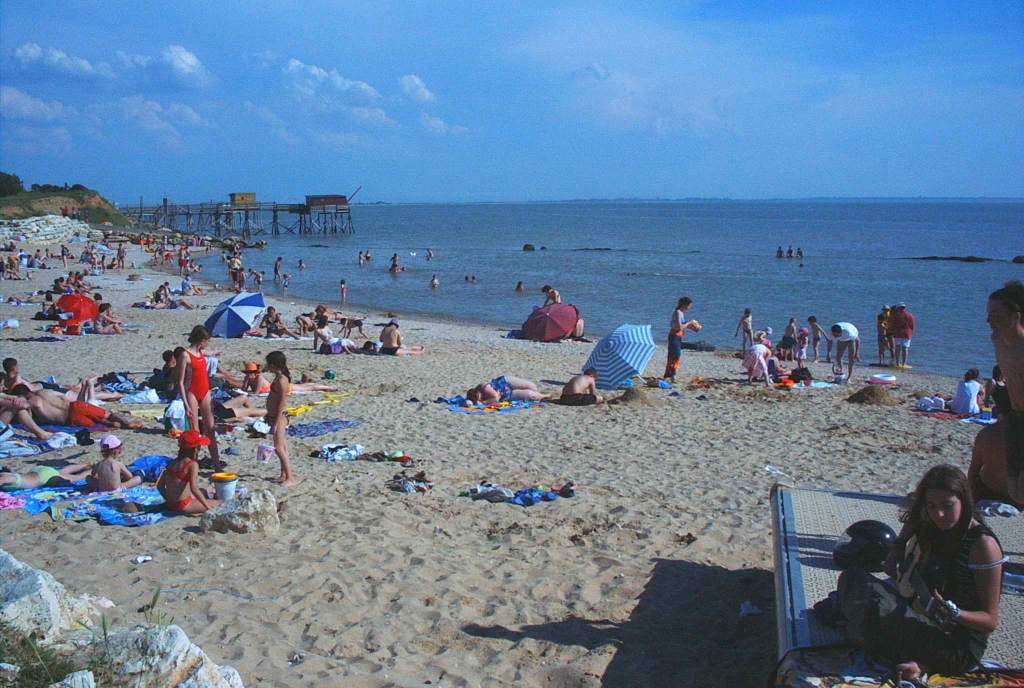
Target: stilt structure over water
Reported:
[(243, 216)]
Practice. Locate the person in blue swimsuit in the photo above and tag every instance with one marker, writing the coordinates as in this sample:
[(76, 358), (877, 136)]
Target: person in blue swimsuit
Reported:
[(504, 388)]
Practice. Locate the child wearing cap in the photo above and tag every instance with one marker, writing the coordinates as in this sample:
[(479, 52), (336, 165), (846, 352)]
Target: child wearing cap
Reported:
[(109, 474), (179, 483)]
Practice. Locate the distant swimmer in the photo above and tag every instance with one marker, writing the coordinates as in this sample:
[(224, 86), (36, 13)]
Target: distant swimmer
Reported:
[(284, 280), (799, 252), (344, 291), (302, 264), (434, 284), (520, 288), (277, 269), (779, 253), (395, 267), (361, 260), (430, 254), (789, 251), (367, 257)]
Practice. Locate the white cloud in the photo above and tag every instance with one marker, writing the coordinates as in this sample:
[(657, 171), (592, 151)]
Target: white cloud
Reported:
[(17, 104), (307, 79), (183, 114), (414, 87), (270, 118), (54, 59), (439, 126), (340, 140), (263, 58), (128, 61), (154, 117), (184, 67), (372, 115), (44, 141)]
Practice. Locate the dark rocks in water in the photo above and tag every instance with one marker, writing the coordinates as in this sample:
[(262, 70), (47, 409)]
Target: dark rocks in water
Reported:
[(528, 247), (592, 249), (700, 345), (1018, 259), (543, 248), (961, 259)]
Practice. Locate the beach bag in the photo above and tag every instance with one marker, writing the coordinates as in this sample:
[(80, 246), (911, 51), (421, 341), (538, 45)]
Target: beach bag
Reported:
[(175, 416)]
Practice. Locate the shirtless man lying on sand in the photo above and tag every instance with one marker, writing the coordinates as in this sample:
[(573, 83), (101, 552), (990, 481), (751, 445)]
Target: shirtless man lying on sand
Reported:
[(55, 408), (12, 378), (997, 461), (581, 390)]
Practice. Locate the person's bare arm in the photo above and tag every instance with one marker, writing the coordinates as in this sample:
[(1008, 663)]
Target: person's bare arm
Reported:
[(988, 583), (125, 474), (182, 368), (193, 485)]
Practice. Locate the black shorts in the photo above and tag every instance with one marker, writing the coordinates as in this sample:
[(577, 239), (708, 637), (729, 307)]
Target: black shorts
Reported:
[(389, 350), (222, 412), (578, 399)]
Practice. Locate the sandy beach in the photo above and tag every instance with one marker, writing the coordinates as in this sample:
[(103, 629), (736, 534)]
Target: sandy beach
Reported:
[(636, 581)]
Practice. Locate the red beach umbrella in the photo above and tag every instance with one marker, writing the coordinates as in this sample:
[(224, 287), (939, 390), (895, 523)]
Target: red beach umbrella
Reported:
[(550, 323), (80, 306)]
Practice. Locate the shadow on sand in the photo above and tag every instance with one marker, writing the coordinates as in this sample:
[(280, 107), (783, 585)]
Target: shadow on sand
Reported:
[(684, 631)]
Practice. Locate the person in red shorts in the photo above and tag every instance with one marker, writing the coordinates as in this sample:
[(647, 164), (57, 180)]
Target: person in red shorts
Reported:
[(54, 408)]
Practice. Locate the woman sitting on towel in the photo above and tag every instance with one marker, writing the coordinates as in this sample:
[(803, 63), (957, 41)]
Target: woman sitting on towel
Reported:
[(945, 603)]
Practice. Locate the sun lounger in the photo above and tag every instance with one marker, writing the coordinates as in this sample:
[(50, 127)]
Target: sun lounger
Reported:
[(806, 524)]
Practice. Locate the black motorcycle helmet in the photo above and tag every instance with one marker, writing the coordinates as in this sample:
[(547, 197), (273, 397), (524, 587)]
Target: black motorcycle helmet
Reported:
[(865, 546)]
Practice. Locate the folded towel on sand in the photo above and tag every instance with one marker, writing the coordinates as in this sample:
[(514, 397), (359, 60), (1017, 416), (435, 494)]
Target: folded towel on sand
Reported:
[(503, 407), (975, 420), (321, 427)]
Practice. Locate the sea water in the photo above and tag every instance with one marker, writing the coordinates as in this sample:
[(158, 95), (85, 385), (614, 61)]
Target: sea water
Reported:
[(629, 262)]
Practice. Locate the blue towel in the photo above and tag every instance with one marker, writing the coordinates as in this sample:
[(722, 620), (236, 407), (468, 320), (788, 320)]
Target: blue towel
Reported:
[(528, 496), (321, 427), (481, 409), (149, 466), (104, 507)]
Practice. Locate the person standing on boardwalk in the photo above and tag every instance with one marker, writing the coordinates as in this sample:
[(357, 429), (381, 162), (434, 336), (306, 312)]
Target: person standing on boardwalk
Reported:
[(676, 330)]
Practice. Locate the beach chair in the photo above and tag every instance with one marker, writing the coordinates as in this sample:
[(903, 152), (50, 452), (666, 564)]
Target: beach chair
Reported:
[(806, 525)]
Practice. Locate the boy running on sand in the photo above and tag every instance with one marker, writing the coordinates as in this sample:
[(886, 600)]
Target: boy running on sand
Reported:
[(277, 402)]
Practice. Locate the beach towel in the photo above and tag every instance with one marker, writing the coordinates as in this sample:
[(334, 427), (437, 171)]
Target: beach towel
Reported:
[(42, 338), (142, 396), (8, 501), (939, 415), (503, 407), (977, 420), (103, 506), (321, 427), (18, 447), (817, 384), (149, 467)]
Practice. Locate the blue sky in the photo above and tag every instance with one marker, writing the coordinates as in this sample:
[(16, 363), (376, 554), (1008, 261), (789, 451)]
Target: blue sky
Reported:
[(421, 101)]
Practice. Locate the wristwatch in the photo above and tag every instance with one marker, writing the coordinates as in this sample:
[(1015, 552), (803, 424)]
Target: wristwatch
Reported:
[(952, 610)]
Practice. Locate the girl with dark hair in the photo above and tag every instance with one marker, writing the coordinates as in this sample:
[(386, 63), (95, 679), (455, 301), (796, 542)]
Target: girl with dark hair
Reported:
[(194, 388), (946, 600), (969, 393), (677, 327), (277, 402)]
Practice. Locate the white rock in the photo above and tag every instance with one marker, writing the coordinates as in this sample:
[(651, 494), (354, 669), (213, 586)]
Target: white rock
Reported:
[(32, 602), (254, 512), (9, 674), (150, 655), (79, 679)]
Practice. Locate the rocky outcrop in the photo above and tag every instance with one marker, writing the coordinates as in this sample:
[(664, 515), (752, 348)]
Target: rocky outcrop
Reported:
[(79, 679), (151, 655), (33, 603), (47, 229), (255, 512)]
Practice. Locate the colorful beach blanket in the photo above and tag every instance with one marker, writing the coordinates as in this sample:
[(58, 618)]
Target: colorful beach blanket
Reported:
[(503, 407), (818, 667), (321, 427), (104, 507)]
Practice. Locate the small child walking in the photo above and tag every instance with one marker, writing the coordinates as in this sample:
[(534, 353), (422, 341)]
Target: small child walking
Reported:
[(277, 402), (800, 350)]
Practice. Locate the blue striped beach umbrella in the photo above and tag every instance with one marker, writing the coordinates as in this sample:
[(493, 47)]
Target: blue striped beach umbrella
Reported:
[(233, 317), (621, 355)]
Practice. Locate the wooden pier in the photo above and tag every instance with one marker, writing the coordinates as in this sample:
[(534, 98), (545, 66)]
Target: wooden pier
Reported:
[(246, 218)]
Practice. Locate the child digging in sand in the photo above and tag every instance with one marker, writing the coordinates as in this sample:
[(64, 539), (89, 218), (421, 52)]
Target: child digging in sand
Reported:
[(277, 402)]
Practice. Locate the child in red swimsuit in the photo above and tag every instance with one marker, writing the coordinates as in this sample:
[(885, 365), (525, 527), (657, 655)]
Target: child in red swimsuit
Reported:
[(179, 485)]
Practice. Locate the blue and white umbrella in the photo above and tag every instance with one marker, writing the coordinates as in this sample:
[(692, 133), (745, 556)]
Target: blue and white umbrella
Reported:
[(621, 355), (233, 317)]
